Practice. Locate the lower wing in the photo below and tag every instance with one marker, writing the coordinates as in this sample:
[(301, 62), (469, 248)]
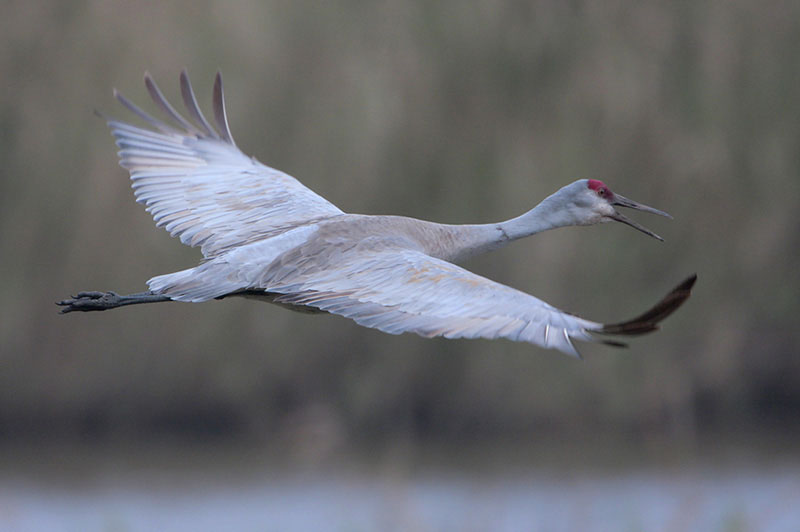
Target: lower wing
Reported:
[(405, 290)]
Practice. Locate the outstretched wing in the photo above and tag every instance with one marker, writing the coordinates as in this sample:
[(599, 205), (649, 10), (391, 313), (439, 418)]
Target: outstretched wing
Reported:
[(404, 290), (199, 186)]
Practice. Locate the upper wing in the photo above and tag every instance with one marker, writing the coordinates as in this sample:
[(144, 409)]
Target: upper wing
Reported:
[(198, 185), (401, 290)]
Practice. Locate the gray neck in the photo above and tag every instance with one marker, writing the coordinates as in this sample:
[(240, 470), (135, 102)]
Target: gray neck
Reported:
[(470, 240), (549, 214)]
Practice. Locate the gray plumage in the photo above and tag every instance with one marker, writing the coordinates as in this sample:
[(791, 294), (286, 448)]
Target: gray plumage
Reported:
[(263, 234)]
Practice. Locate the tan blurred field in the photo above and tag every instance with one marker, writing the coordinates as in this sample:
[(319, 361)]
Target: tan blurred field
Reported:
[(447, 111)]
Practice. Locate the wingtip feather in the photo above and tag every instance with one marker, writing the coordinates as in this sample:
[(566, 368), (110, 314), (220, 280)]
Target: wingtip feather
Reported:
[(162, 102), (220, 115), (135, 109), (190, 101), (648, 322)]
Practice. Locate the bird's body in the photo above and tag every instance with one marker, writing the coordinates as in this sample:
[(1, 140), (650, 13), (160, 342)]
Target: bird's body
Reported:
[(263, 234)]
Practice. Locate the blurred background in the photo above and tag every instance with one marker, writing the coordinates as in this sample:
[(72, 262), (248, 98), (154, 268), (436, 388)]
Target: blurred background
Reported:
[(448, 111)]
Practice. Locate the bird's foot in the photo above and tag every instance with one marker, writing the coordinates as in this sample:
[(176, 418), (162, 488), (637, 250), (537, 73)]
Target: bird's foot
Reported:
[(89, 301)]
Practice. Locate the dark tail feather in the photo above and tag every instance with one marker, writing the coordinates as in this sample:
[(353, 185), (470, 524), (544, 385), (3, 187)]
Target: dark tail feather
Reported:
[(648, 322), (613, 343)]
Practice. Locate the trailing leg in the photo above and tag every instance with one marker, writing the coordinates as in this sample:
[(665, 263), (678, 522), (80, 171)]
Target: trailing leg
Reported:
[(91, 301)]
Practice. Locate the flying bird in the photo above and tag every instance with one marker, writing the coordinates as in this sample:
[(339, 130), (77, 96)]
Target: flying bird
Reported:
[(264, 235)]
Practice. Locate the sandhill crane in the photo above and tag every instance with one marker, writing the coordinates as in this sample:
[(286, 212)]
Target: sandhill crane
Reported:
[(265, 235)]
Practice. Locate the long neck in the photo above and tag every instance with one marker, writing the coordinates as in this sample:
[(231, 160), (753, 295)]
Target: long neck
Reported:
[(464, 241), (549, 214)]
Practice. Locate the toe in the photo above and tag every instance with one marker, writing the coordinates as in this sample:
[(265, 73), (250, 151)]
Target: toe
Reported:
[(90, 295)]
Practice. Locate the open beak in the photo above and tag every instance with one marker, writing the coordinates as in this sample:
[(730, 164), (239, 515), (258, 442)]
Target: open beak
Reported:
[(622, 201)]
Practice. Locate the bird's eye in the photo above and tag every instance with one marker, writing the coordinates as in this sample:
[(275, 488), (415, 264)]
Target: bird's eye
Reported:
[(601, 192)]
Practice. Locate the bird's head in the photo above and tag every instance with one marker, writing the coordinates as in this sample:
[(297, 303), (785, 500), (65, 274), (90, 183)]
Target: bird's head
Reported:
[(590, 201)]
